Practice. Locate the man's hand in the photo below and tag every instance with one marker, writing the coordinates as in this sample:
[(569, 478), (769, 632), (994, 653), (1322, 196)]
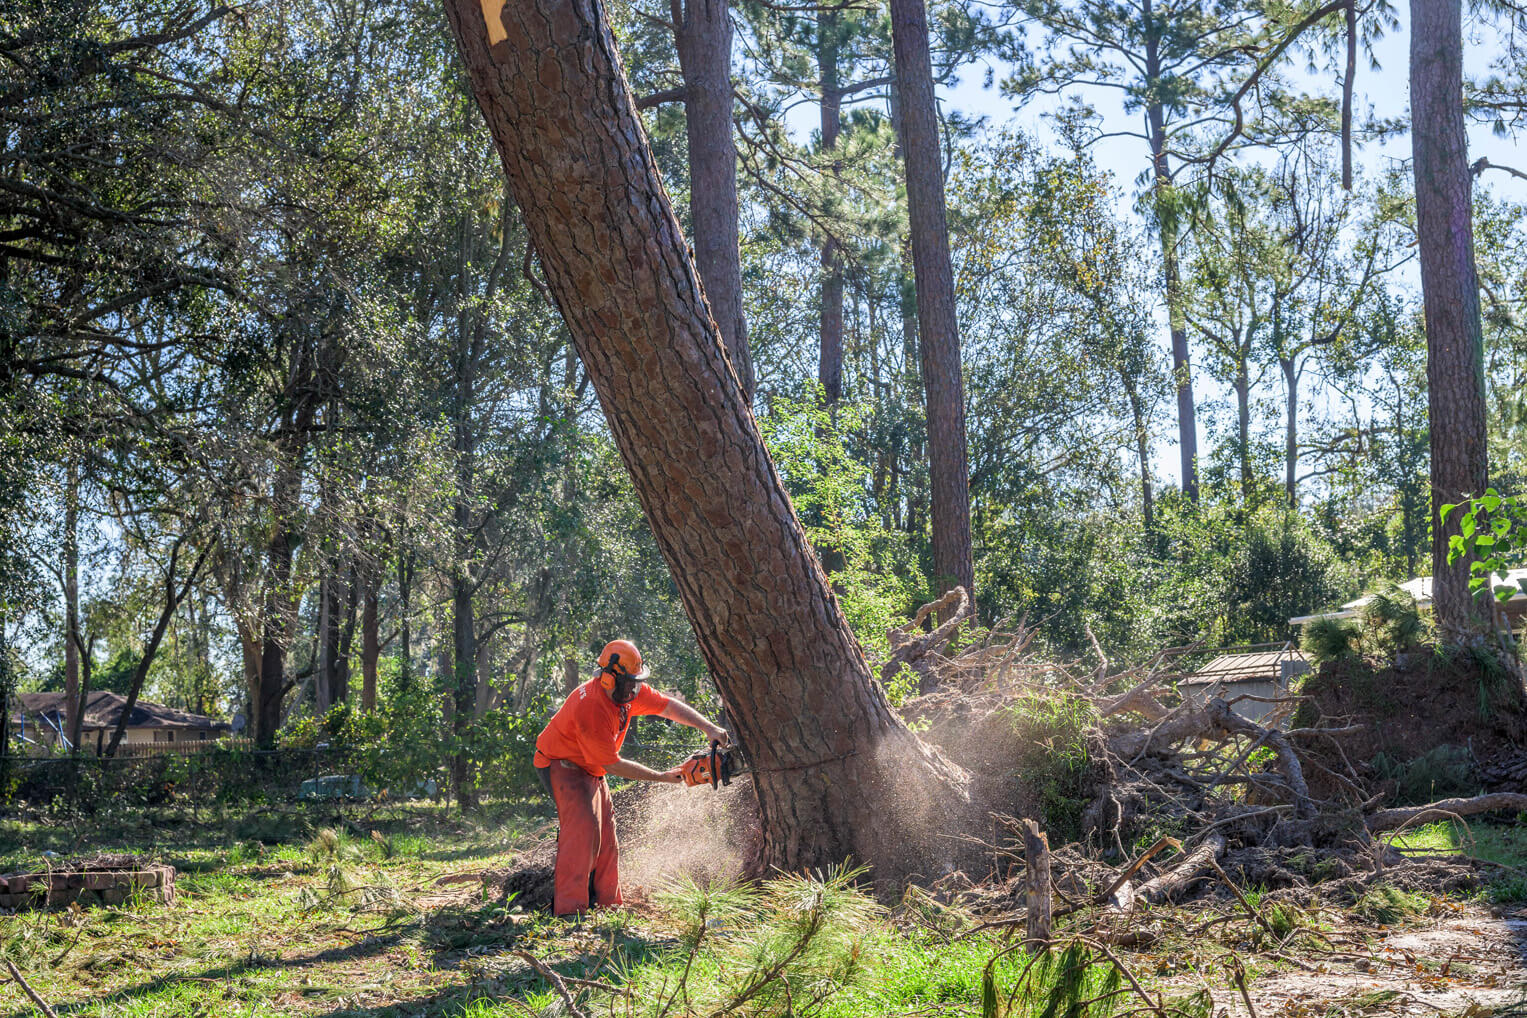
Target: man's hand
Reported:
[(721, 736), (673, 777)]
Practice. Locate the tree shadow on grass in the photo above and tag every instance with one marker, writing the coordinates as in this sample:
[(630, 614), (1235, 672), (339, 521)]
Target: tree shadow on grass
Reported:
[(479, 942), (353, 952)]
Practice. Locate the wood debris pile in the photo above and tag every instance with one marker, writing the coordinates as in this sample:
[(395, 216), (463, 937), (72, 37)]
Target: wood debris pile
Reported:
[(1231, 797)]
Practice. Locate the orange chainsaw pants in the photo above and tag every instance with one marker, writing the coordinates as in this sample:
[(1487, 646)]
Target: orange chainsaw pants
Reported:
[(588, 856)]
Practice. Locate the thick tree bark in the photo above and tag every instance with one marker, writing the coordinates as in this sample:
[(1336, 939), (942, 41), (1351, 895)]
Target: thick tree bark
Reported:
[(704, 43), (1450, 290), (830, 758), (830, 359), (938, 327)]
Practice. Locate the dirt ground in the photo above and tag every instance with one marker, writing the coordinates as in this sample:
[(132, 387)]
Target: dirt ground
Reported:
[(1468, 962)]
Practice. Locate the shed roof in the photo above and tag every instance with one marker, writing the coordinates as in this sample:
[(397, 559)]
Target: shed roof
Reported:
[(1253, 666)]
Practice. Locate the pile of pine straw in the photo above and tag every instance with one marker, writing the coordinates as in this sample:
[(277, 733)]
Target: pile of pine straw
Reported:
[(1233, 793)]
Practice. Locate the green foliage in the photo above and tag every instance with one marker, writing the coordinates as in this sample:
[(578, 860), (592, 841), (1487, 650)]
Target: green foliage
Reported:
[(1442, 771), (1392, 621), (1329, 639), (786, 946), (904, 685), (870, 565), (1054, 757), (1490, 533), (1388, 904), (1389, 624)]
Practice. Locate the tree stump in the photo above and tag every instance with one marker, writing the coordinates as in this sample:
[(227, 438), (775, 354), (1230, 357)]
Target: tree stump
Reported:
[(1036, 859)]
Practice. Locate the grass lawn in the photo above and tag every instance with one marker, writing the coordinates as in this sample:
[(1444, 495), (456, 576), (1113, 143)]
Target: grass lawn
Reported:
[(1505, 844), (278, 916), (311, 913)]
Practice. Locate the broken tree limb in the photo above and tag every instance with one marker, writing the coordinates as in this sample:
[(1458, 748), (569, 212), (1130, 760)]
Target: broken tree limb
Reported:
[(1128, 873), (1186, 873), (1140, 698), (42, 1005), (1036, 861), (907, 649), (550, 975), (1445, 809), (1288, 761), (1217, 721)]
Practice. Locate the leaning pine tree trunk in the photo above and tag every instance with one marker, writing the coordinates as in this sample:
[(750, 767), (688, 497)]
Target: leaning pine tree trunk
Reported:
[(832, 764), (1455, 372)]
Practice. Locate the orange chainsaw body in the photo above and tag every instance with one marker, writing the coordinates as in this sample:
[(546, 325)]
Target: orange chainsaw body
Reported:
[(713, 767)]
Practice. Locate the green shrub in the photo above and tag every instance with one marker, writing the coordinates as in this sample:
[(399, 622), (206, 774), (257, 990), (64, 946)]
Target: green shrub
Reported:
[(1392, 621), (1441, 771), (1054, 757), (1328, 640)]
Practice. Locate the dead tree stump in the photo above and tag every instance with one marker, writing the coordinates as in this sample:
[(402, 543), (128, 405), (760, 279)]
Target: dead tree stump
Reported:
[(1036, 860)]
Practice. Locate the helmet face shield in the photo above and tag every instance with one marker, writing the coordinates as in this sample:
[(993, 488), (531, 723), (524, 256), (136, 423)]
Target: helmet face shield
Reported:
[(626, 686)]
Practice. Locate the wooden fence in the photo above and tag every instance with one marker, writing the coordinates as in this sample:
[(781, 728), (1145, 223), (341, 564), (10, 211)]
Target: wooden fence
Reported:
[(139, 749)]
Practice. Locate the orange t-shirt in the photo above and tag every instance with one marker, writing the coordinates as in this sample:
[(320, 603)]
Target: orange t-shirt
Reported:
[(589, 729)]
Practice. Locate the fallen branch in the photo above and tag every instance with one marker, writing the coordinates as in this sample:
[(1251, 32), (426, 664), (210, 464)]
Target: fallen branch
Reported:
[(550, 975), (1185, 873), (1446, 809), (41, 1005), (1129, 871), (1140, 698), (907, 649)]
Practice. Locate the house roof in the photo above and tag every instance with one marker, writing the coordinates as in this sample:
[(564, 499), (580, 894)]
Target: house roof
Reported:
[(103, 709), (1419, 588), (1254, 666)]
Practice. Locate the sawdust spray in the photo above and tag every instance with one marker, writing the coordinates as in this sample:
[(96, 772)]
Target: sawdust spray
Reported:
[(679, 832)]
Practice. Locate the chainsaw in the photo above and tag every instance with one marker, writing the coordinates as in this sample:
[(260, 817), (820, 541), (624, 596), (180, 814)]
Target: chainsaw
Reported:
[(714, 766)]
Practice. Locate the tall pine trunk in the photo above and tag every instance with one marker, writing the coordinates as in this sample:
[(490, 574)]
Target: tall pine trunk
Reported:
[(1166, 234), (1290, 430), (830, 757), (371, 649), (830, 358), (704, 43), (938, 327), (1450, 290), (73, 706)]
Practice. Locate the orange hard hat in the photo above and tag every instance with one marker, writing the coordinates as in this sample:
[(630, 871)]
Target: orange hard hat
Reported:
[(620, 658)]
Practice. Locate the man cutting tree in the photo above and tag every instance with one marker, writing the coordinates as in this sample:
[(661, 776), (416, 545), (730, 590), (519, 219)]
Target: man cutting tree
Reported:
[(578, 747)]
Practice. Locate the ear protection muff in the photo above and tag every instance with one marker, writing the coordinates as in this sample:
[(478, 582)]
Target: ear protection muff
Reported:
[(607, 674)]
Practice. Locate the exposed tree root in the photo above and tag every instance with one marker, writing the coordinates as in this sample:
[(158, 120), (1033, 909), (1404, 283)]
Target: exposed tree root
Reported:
[(1446, 809)]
